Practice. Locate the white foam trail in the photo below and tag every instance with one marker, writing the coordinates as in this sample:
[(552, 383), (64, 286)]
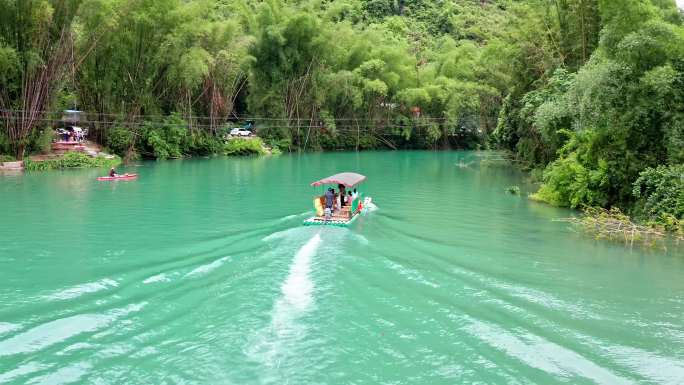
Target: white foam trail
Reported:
[(60, 330), (66, 375), (297, 287), (6, 327), (74, 347), (661, 370), (295, 299), (370, 207), (209, 267), (157, 278), (80, 290), (22, 370)]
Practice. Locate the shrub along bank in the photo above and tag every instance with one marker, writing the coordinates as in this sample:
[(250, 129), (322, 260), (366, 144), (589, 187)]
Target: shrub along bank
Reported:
[(71, 160), (238, 146), (174, 138)]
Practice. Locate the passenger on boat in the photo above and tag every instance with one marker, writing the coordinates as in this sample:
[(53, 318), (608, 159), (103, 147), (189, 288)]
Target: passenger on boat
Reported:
[(329, 200), (355, 194), (350, 198), (342, 194)]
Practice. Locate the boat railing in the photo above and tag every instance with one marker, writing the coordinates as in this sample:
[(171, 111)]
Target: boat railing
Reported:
[(354, 208)]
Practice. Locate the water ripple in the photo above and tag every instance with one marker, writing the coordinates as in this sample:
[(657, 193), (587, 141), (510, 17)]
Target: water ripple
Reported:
[(208, 268), (50, 333), (542, 354), (79, 290)]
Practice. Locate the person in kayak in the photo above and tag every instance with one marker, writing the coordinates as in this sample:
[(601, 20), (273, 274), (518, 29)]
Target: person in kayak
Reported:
[(112, 173)]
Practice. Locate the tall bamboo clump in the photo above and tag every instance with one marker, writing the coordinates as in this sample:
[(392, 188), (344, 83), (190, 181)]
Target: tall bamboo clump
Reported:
[(35, 54)]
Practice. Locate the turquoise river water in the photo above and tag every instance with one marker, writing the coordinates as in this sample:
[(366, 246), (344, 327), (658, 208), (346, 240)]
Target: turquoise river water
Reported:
[(200, 272)]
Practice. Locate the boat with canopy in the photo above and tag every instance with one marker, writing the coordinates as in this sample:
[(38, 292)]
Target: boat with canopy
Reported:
[(343, 212)]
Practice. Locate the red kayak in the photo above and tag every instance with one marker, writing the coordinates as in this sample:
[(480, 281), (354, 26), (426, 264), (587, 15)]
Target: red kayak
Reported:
[(119, 177)]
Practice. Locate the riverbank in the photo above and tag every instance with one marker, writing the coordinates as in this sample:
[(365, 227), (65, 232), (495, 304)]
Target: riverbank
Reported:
[(91, 155), (654, 222), (614, 226), (71, 160)]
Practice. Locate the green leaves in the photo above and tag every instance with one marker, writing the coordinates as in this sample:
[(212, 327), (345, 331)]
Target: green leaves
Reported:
[(9, 66), (191, 68), (620, 114), (319, 68), (567, 182), (71, 160), (375, 87), (660, 193), (651, 46)]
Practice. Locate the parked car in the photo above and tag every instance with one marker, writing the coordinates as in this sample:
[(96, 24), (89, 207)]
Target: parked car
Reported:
[(240, 132)]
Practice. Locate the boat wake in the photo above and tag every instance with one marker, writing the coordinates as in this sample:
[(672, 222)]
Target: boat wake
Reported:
[(209, 267), (60, 330), (269, 346), (297, 288), (370, 206), (541, 354), (77, 291), (294, 216), (6, 327), (162, 277)]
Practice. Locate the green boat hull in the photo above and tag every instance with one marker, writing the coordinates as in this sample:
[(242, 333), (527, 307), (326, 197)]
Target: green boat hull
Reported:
[(314, 221)]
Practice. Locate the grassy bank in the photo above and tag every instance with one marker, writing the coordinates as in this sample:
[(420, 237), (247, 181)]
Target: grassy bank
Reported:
[(71, 160), (161, 148)]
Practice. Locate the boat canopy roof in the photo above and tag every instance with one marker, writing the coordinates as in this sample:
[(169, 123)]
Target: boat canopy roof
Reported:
[(349, 179)]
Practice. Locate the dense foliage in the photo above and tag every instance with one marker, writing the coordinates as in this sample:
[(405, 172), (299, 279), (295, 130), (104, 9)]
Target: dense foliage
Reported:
[(244, 147), (348, 74), (590, 91), (602, 124), (660, 193), (71, 160)]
